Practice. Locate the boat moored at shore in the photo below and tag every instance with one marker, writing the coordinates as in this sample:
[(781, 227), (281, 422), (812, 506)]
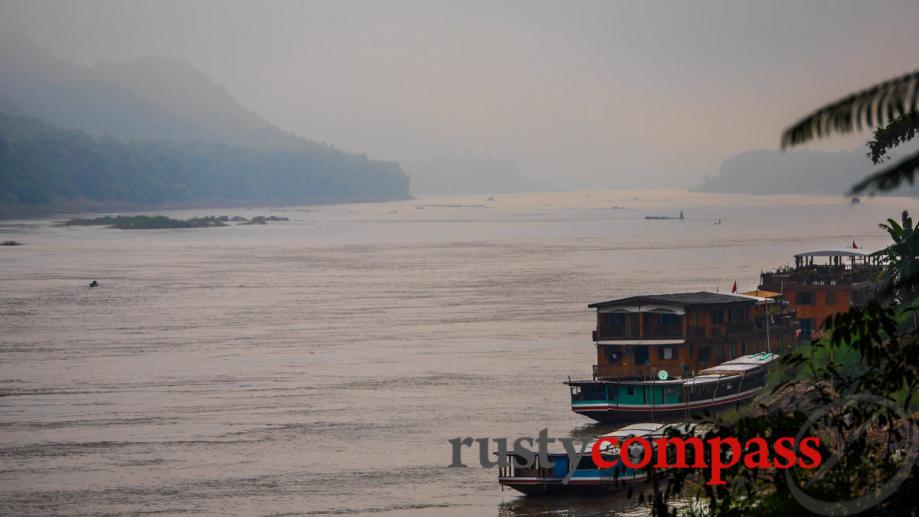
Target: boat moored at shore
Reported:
[(720, 387), (586, 478)]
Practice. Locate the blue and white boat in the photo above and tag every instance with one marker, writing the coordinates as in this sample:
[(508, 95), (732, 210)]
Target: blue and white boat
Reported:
[(587, 477)]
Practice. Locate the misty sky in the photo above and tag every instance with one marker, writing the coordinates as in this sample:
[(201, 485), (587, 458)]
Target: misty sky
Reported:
[(582, 94)]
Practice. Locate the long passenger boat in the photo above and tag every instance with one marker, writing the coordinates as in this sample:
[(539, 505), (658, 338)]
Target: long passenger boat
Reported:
[(719, 387), (587, 477), (663, 356)]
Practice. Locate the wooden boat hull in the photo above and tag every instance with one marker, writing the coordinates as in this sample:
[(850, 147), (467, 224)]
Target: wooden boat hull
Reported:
[(553, 486), (612, 414)]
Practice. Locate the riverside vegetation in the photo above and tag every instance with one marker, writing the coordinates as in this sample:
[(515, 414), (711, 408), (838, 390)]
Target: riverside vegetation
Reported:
[(154, 222), (41, 164)]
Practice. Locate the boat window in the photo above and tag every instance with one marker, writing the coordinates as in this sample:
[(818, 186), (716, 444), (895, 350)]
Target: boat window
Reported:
[(641, 355), (804, 298), (717, 317), (807, 326), (587, 463), (630, 390), (704, 353), (669, 320), (666, 352), (593, 391), (612, 354)]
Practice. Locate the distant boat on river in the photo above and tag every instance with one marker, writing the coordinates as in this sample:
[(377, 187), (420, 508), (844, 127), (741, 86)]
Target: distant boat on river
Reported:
[(664, 217)]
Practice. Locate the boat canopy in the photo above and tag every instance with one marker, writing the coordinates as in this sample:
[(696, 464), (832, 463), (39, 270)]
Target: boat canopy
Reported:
[(835, 253), (657, 308), (702, 379), (760, 293), (741, 364), (645, 430), (757, 358), (675, 299), (761, 300)]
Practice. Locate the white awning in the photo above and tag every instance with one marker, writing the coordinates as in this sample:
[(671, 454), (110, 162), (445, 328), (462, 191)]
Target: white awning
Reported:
[(656, 308), (848, 252)]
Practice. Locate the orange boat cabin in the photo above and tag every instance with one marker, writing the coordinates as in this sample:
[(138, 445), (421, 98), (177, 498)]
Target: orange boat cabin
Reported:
[(675, 335)]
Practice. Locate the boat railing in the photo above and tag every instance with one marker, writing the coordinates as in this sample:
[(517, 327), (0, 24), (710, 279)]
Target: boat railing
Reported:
[(818, 277), (695, 332)]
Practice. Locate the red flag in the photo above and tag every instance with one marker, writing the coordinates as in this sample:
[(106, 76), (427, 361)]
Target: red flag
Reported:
[(854, 246), (734, 289)]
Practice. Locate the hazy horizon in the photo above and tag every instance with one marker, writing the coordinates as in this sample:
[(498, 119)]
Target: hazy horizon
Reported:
[(590, 95)]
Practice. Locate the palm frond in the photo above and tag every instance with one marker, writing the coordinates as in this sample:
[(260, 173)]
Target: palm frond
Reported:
[(890, 178), (870, 107)]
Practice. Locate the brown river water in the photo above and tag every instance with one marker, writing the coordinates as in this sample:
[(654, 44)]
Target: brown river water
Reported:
[(320, 366)]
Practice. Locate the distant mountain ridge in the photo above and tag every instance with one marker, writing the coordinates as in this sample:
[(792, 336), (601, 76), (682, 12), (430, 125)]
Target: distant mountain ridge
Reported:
[(157, 131), (41, 164), (799, 172)]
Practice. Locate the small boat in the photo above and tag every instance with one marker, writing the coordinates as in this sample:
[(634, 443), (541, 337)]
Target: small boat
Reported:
[(719, 387), (664, 217), (587, 477)]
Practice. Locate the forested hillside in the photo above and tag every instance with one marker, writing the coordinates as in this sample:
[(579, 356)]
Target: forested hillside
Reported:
[(41, 164), (800, 172)]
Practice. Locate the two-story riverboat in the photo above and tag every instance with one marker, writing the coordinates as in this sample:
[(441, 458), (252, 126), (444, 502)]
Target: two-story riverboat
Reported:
[(825, 282), (676, 335)]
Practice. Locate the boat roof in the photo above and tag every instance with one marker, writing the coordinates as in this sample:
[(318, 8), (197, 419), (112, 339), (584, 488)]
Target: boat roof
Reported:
[(697, 298), (848, 252), (757, 358), (645, 430), (703, 378), (639, 429), (760, 300), (741, 364), (760, 293)]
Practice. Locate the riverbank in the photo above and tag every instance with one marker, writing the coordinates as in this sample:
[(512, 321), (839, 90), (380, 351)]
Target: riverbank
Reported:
[(69, 208)]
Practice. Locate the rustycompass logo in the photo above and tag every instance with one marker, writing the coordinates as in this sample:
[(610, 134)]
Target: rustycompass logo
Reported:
[(713, 455)]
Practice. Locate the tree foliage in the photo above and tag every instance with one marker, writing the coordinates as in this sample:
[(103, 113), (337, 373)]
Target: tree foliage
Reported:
[(41, 164), (901, 275), (891, 106)]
